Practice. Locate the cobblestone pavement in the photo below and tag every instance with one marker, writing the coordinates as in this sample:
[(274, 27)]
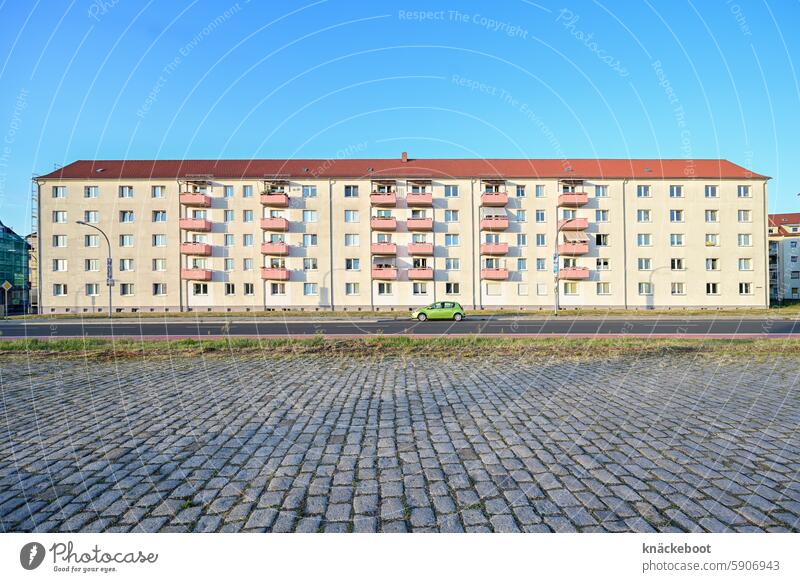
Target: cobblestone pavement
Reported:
[(670, 443)]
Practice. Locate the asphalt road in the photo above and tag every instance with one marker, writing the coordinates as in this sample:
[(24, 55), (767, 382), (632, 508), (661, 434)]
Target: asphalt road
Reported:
[(528, 326)]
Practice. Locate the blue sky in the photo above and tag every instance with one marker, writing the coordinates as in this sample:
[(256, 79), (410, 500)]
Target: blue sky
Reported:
[(125, 79)]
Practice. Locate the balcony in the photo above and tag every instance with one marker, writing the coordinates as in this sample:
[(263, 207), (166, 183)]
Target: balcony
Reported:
[(417, 224), (494, 223), (275, 199), (494, 274), (573, 199), (280, 249), (573, 273), (383, 249), (421, 274), (197, 249), (384, 273), (419, 199), (420, 249), (573, 224), (196, 274), (380, 223), (494, 199), (573, 248), (280, 224), (494, 249), (192, 199), (275, 273), (383, 199), (198, 224)]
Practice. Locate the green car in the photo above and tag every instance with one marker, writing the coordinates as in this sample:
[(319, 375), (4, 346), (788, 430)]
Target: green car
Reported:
[(440, 310)]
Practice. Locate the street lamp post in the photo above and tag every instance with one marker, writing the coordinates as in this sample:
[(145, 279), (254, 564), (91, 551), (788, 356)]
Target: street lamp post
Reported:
[(109, 264), (556, 265)]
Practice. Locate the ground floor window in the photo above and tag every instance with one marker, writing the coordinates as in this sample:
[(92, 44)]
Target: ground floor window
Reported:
[(200, 289), (230, 289), (570, 288), (278, 289), (452, 288), (249, 289), (745, 289), (351, 288), (420, 288), (384, 288)]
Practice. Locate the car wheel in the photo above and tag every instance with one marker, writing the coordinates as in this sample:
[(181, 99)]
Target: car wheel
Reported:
[(422, 317), (458, 317)]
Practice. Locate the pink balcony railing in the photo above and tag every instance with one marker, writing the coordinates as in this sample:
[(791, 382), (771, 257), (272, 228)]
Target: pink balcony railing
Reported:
[(494, 223), (275, 223), (384, 273), (573, 224), (573, 273), (383, 199), (193, 248), (193, 199), (275, 248), (573, 199), (494, 274), (380, 223), (383, 249), (419, 199), (420, 248), (494, 248), (275, 274), (199, 224), (278, 200), (494, 199), (196, 274), (418, 224), (573, 248), (421, 274)]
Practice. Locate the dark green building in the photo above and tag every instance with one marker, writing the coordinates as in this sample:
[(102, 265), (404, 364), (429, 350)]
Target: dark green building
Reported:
[(14, 269)]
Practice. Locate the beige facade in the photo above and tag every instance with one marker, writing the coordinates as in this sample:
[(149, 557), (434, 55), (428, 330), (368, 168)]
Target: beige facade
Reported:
[(784, 257), (398, 241)]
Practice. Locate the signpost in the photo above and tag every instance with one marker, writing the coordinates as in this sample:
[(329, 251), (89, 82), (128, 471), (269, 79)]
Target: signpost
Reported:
[(6, 288)]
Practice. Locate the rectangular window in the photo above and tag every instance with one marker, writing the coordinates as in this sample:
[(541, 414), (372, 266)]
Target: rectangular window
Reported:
[(676, 191), (126, 191), (384, 288), (249, 289), (451, 191), (92, 289), (277, 289), (247, 240), (642, 216), (451, 215), (126, 289), (522, 264), (676, 264), (247, 192), (91, 216), (352, 288), (352, 264), (159, 288), (159, 264), (676, 240), (247, 216), (601, 215), (522, 216), (712, 240), (227, 192), (452, 264), (60, 216), (539, 191), (603, 264), (744, 216), (59, 289), (91, 192), (745, 289), (451, 240), (91, 265), (59, 191), (677, 289), (420, 288), (644, 240), (522, 240), (200, 289), (351, 191), (452, 288), (602, 240), (125, 265), (642, 191), (126, 216), (712, 288), (126, 240), (712, 216), (601, 191), (603, 288), (645, 288), (351, 216), (520, 191), (676, 215), (230, 289), (540, 216), (227, 216), (711, 191), (159, 240), (644, 264), (743, 191), (570, 288), (745, 264), (59, 265), (91, 240), (157, 191), (309, 191), (541, 240), (351, 240), (228, 265), (522, 289), (247, 265), (744, 240), (309, 264), (712, 264), (159, 215), (228, 240), (310, 216), (309, 240)]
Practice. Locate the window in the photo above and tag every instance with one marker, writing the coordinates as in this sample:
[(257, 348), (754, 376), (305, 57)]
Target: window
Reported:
[(744, 240), (601, 215), (310, 289), (520, 191), (309, 240), (91, 216), (743, 191), (351, 191), (712, 240), (157, 192), (420, 288), (159, 215), (522, 216), (126, 191), (247, 240), (159, 240), (309, 191), (59, 191), (541, 240), (91, 265), (744, 216), (676, 264), (126, 289), (159, 288), (309, 264), (452, 288), (541, 264), (247, 192), (227, 192), (451, 240), (451, 191), (230, 288), (384, 288), (159, 264), (602, 240), (59, 216), (91, 240), (200, 289), (540, 216), (603, 288), (126, 240), (712, 216), (601, 191), (59, 265), (126, 265), (712, 264), (712, 288), (522, 240), (645, 288), (91, 192), (228, 240), (676, 191), (452, 264), (642, 191), (711, 191), (522, 289), (247, 216), (349, 216), (570, 288), (676, 215), (678, 289), (92, 289), (642, 216), (277, 289), (351, 240), (249, 289), (522, 264), (228, 264), (227, 216), (644, 264), (745, 289), (311, 215), (247, 265), (451, 215), (676, 240), (603, 264), (352, 265), (352, 288), (644, 240), (745, 264), (59, 289), (126, 216)]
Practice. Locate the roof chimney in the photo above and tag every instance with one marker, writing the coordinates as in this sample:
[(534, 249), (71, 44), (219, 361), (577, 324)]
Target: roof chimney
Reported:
[(404, 157)]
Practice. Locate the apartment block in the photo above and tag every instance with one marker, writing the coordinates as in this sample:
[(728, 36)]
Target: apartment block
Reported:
[(784, 256), (362, 234)]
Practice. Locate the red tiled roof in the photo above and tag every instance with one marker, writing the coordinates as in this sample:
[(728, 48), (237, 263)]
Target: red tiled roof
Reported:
[(782, 220), (433, 168)]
